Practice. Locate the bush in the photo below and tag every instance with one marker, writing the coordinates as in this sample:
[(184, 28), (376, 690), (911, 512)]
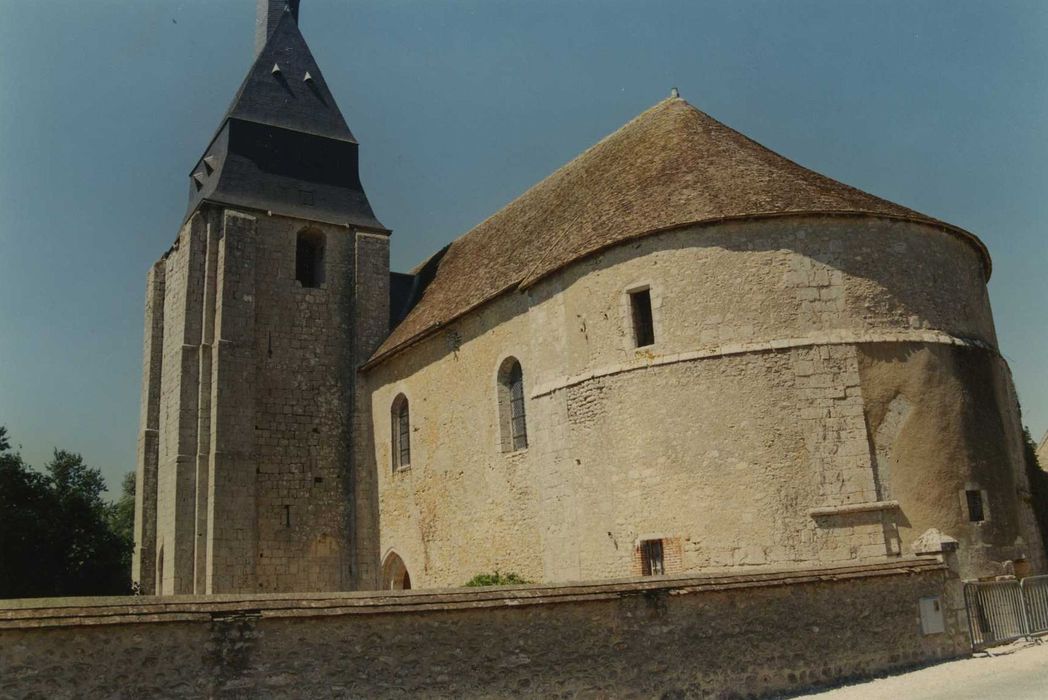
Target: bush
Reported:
[(497, 579)]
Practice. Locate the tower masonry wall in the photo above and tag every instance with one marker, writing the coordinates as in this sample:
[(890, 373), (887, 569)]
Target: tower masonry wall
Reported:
[(783, 416), (178, 418), (302, 349), (256, 404), (143, 563)]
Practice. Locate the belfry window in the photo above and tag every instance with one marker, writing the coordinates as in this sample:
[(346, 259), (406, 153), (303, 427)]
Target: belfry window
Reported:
[(512, 420), (309, 258), (641, 317), (401, 433)]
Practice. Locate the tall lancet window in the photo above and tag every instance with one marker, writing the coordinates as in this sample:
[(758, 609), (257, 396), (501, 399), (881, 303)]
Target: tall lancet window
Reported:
[(513, 423), (401, 433)]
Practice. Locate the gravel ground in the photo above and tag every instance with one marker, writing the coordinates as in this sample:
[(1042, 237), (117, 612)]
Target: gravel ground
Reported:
[(1015, 672)]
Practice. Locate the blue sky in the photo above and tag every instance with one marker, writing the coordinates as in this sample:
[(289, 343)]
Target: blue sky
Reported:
[(940, 105)]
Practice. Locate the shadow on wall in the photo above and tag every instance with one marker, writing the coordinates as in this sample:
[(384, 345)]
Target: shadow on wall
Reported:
[(954, 439)]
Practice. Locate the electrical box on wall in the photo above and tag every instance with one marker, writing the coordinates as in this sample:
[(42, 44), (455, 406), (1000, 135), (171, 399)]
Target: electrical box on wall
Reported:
[(931, 615)]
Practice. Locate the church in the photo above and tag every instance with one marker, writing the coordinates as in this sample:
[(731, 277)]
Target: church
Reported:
[(680, 352)]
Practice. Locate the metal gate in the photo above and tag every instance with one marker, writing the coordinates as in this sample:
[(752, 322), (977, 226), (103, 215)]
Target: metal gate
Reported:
[(996, 612), (1035, 593)]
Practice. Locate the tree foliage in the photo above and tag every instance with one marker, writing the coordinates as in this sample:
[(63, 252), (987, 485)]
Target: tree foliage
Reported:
[(59, 537), (1038, 486)]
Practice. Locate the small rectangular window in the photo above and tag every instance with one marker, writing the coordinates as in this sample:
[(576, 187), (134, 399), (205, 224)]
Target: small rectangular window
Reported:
[(975, 505), (651, 558), (640, 311)]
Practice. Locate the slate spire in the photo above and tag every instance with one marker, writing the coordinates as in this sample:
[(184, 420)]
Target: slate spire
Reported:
[(269, 14), (283, 145)]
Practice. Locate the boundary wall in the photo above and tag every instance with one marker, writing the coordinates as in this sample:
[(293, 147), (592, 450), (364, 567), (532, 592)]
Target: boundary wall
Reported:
[(714, 635)]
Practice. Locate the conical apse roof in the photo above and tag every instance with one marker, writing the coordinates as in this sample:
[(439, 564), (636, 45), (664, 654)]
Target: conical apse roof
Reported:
[(671, 166)]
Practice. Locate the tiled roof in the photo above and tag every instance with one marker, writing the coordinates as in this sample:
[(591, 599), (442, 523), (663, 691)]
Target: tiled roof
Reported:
[(670, 167)]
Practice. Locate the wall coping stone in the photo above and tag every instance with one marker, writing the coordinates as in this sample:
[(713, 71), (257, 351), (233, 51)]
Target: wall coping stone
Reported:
[(89, 611)]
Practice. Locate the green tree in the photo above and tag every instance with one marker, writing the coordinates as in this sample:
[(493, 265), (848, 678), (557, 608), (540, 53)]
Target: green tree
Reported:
[(27, 511), (94, 554), (58, 536), (1038, 486), (122, 517)]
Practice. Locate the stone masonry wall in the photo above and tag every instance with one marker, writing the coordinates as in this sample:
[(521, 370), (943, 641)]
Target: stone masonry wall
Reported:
[(302, 343), (256, 385), (178, 417), (143, 565), (743, 432), (230, 496), (730, 636)]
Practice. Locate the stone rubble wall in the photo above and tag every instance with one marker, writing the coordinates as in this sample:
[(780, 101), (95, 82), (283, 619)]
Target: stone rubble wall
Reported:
[(715, 636)]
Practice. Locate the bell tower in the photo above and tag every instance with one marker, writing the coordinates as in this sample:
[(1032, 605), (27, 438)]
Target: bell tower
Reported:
[(274, 292)]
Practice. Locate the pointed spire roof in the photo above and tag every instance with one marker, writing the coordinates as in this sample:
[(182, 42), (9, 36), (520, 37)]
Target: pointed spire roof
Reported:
[(670, 167), (283, 146), (275, 93)]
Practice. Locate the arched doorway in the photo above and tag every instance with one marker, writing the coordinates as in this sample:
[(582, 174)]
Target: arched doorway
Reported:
[(395, 575)]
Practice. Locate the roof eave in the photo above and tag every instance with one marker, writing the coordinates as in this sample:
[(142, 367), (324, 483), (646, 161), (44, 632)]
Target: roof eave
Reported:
[(366, 228), (530, 281)]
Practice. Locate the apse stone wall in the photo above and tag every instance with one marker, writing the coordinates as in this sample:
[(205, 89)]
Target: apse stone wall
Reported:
[(742, 437), (735, 636)]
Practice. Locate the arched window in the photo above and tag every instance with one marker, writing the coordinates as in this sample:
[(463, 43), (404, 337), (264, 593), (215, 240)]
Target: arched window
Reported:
[(400, 433), (309, 258), (395, 574), (514, 429)]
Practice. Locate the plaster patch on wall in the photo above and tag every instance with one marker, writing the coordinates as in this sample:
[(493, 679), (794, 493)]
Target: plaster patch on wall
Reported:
[(883, 440)]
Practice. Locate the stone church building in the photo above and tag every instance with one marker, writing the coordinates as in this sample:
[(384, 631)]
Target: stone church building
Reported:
[(679, 352)]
